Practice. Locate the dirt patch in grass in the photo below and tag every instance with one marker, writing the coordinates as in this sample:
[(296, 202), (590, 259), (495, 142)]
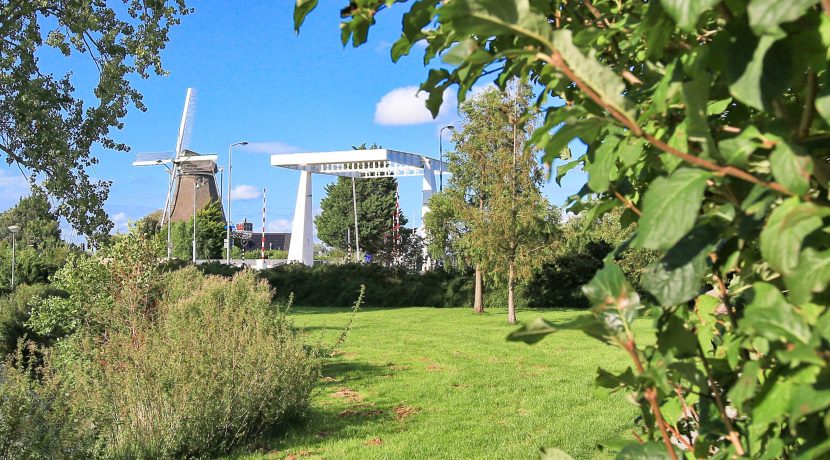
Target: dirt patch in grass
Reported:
[(374, 442), (402, 412), (354, 413), (327, 379), (348, 394), (435, 368)]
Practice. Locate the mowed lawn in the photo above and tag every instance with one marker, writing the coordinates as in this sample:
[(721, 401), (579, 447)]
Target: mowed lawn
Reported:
[(444, 383)]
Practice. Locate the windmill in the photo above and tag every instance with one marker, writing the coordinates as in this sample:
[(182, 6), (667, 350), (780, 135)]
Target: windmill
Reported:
[(192, 181)]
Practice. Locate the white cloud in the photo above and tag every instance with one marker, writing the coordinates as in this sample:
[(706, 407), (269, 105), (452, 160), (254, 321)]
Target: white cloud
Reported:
[(271, 148), (406, 106), (245, 192), (279, 226), (121, 223)]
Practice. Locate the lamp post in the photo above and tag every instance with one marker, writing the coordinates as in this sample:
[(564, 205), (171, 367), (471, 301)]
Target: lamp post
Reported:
[(228, 226), (195, 186), (441, 152), (14, 229)]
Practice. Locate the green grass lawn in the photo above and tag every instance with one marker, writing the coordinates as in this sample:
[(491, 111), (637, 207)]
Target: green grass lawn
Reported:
[(444, 383)]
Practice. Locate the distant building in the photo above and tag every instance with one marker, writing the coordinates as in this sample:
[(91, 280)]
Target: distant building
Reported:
[(277, 241)]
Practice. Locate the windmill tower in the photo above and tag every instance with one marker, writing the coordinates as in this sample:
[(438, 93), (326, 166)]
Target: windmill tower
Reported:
[(192, 181)]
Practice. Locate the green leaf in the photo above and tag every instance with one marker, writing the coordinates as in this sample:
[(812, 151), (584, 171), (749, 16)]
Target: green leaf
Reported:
[(670, 208), (614, 301), (736, 150), (748, 87), (810, 276), (744, 388), (680, 141), (611, 381), (674, 337), (769, 315), (301, 10), (573, 128), (678, 275), (686, 12), (791, 168), (717, 107), (552, 453), (696, 94), (538, 329), (602, 169), (650, 451), (563, 169), (785, 231), (607, 84), (533, 332), (765, 16)]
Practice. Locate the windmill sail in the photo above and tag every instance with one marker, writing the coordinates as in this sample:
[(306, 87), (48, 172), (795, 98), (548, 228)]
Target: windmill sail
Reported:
[(186, 126)]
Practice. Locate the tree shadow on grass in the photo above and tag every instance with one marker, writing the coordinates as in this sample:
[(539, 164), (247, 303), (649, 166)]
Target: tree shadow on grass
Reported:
[(330, 415)]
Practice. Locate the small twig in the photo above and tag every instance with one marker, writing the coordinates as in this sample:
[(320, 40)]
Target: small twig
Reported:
[(809, 106), (628, 204), (724, 297), (733, 436), (650, 394), (686, 407), (681, 438)]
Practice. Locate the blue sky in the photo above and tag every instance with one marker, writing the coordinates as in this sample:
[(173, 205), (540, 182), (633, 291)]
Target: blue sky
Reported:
[(256, 80)]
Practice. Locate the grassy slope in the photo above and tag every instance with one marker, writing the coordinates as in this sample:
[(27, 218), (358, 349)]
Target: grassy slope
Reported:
[(474, 394)]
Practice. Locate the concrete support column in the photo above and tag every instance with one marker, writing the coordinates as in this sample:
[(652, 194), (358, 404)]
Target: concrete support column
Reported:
[(428, 187), (301, 247)]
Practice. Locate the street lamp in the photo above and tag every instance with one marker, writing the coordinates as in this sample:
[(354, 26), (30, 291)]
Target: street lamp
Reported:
[(441, 151), (228, 217), (14, 229), (195, 186)]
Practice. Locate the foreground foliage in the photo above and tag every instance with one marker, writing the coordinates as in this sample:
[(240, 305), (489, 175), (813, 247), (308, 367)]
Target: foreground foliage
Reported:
[(708, 121), (46, 127), (151, 364)]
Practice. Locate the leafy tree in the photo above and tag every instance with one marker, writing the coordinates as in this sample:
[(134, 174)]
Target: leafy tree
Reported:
[(492, 211), (39, 250), (39, 226), (210, 234), (708, 122), (375, 208), (46, 127)]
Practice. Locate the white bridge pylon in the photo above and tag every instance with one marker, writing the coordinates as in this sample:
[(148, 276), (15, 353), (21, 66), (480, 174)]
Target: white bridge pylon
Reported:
[(360, 164)]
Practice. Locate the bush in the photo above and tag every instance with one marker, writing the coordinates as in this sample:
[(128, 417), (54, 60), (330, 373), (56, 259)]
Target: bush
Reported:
[(15, 310), (559, 282), (332, 285), (179, 365)]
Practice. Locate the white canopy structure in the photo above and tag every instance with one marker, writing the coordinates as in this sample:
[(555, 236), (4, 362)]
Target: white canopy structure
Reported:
[(349, 163)]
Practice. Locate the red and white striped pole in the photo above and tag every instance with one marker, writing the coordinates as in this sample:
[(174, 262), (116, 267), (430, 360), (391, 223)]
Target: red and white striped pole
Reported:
[(262, 253)]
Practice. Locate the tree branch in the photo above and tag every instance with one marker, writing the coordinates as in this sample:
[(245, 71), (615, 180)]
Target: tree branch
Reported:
[(809, 106), (628, 204), (733, 436), (555, 59), (650, 394)]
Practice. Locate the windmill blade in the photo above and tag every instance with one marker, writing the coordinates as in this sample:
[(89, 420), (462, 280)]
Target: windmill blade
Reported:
[(153, 158), (186, 126)]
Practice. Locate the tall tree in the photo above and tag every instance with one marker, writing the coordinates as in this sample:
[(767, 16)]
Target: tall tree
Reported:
[(46, 127), (210, 234), (375, 209), (708, 121), (493, 211)]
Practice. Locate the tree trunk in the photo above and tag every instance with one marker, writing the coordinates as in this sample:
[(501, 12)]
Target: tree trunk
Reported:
[(511, 305), (478, 300)]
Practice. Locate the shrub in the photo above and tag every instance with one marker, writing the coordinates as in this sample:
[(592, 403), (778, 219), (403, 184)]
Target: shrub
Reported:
[(161, 364), (217, 367), (15, 310)]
